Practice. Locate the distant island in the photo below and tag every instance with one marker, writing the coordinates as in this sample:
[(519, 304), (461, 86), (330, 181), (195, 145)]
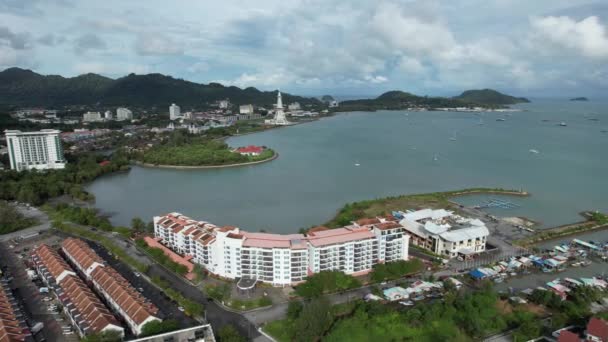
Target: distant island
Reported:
[(396, 100), (25, 88), (489, 97), (579, 99)]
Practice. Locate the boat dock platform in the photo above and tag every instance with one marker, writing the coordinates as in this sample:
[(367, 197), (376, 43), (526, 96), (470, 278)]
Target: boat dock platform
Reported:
[(497, 203)]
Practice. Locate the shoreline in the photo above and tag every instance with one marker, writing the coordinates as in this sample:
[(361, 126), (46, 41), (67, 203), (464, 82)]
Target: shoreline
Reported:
[(202, 167)]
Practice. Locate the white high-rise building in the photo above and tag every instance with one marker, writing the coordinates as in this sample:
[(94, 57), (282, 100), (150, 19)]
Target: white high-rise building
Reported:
[(279, 116), (107, 115), (284, 259), (35, 150), (174, 112), (246, 109), (224, 104), (123, 114), (91, 117)]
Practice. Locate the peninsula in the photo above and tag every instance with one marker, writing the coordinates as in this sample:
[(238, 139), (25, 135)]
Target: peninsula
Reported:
[(398, 100), (582, 98)]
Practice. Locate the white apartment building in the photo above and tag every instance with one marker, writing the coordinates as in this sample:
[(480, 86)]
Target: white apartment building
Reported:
[(123, 114), (444, 233), (107, 115), (174, 112), (91, 117), (294, 106), (224, 104), (39, 150), (283, 259), (246, 109)]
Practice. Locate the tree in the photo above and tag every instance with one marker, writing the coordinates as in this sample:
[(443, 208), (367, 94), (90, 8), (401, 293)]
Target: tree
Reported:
[(313, 321), (138, 225), (228, 333), (294, 308), (159, 327)]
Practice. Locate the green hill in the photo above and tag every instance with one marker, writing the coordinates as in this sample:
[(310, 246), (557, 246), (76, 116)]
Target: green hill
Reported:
[(25, 88), (396, 99), (489, 97)]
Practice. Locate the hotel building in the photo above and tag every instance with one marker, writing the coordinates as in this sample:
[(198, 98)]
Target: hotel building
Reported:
[(39, 150), (444, 233), (110, 285), (86, 312), (280, 260)]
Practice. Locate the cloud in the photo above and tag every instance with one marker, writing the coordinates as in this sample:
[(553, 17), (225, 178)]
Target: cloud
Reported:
[(87, 42), (587, 36), (18, 41), (50, 39), (198, 67), (8, 57), (376, 79), (109, 68), (157, 44)]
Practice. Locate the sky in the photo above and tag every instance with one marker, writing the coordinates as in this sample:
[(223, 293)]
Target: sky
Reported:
[(314, 47)]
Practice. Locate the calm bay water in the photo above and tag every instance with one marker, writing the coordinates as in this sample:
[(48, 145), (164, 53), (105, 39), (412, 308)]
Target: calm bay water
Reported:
[(398, 153)]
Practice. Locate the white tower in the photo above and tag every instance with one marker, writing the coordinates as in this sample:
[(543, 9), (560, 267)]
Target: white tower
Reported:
[(279, 116), (174, 112)]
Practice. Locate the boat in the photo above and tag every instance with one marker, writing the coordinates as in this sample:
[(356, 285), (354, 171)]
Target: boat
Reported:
[(498, 280), (357, 164), (453, 139), (534, 151), (435, 158), (576, 264), (406, 303), (513, 274), (500, 119), (563, 124), (547, 270)]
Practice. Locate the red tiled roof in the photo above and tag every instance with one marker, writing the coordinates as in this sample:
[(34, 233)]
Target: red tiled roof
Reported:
[(250, 149), (598, 328), (51, 260), (124, 295), (81, 252), (568, 336), (89, 308), (10, 328), (367, 221), (339, 235), (317, 229), (388, 225)]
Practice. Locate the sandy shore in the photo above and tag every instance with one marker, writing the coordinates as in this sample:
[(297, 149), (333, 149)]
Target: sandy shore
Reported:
[(184, 167)]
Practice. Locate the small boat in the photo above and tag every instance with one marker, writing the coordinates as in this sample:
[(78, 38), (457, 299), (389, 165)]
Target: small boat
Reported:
[(576, 264), (563, 124), (534, 151), (357, 164), (545, 120), (513, 274), (547, 270), (453, 139), (435, 158), (500, 119), (498, 280), (406, 303)]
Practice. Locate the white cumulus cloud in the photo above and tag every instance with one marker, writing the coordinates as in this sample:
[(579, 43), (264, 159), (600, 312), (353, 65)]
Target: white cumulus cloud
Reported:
[(587, 37)]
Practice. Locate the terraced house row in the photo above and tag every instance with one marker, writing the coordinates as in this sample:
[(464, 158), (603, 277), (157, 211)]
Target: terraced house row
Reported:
[(13, 327), (118, 293), (85, 310), (287, 259)]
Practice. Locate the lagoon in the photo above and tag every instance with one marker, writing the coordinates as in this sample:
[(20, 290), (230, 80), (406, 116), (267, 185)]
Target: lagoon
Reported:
[(365, 155)]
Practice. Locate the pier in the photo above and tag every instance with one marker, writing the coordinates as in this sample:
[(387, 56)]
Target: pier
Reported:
[(497, 203)]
